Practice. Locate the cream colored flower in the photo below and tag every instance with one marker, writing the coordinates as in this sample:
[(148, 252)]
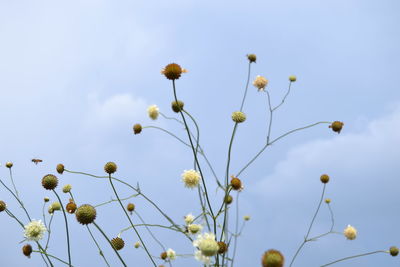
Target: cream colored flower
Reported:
[(153, 112), (189, 218), (171, 254), (200, 257), (191, 178), (260, 82), (206, 244), (194, 228), (34, 230), (67, 188), (350, 232)]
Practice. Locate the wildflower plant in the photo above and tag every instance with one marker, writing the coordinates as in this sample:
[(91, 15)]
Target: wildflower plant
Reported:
[(211, 234)]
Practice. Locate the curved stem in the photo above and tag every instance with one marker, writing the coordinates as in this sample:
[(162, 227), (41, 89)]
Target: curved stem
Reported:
[(54, 257), (247, 86), (127, 215), (12, 181), (17, 198), (355, 256), (66, 227), (97, 245)]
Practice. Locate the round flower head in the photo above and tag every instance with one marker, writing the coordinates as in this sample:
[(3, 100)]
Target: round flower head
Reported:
[(153, 112), (85, 214), (228, 199), (260, 82), (252, 58), (238, 116), (223, 247), (3, 205), (46, 199), (49, 181), (194, 228), (327, 200), (137, 244), (163, 255), (394, 251), (324, 178), (50, 210), (206, 244), (191, 178), (177, 106), (350, 232), (71, 206), (67, 188), (110, 167), (55, 206), (236, 183), (292, 78), (130, 207), (9, 164), (171, 254), (336, 126), (189, 218), (34, 230), (60, 168), (117, 243), (137, 128), (272, 258), (246, 217), (27, 250), (173, 71)]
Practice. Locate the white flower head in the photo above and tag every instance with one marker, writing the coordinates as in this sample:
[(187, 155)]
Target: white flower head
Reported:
[(206, 244), (191, 178), (34, 230), (171, 254), (260, 82), (194, 228), (350, 232), (200, 257), (153, 112), (189, 218)]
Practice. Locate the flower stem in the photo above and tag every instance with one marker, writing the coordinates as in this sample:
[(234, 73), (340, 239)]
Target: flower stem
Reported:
[(66, 227), (355, 256)]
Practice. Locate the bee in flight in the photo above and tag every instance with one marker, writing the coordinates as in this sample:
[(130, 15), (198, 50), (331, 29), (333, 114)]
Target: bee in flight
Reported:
[(36, 161)]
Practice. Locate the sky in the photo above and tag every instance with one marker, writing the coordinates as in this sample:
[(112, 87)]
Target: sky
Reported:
[(76, 75)]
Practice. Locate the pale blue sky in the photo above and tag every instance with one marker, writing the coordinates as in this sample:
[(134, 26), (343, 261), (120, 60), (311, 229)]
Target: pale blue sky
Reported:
[(76, 75)]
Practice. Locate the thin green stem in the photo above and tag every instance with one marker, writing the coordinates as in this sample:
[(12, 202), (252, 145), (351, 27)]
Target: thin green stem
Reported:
[(127, 215), (115, 200), (66, 227), (17, 198), (108, 240), (247, 86), (49, 232), (97, 245), (49, 255), (150, 232), (12, 181), (355, 256)]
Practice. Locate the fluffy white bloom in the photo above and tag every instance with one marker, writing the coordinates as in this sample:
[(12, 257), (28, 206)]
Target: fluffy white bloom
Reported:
[(153, 112), (191, 178), (206, 244), (350, 232), (189, 218), (194, 228), (171, 254), (34, 230), (260, 82), (200, 257)]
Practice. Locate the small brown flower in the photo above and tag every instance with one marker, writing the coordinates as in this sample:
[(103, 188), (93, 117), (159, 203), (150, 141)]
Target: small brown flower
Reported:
[(336, 126), (117, 243), (71, 206), (3, 206), (60, 168), (110, 167), (172, 71), (324, 178), (252, 58), (130, 207), (272, 258), (137, 128), (163, 255), (27, 250), (236, 183), (222, 247)]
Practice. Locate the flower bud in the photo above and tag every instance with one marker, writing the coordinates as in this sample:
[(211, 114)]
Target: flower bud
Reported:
[(137, 128), (110, 167), (252, 58), (324, 178)]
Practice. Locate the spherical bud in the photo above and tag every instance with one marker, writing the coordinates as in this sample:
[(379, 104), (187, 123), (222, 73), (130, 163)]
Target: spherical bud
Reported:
[(3, 205), (49, 182), (327, 200), (60, 168), (252, 58), (163, 255), (67, 188), (172, 71), (46, 199), (272, 258), (56, 206), (194, 228), (71, 206), (85, 214), (110, 167), (228, 199), (246, 217), (394, 251), (137, 244), (177, 106), (27, 250), (324, 178), (222, 247), (50, 210), (236, 183), (206, 244), (153, 111), (260, 82), (292, 78), (336, 126), (9, 164), (117, 243), (350, 232), (130, 207), (137, 128), (238, 116)]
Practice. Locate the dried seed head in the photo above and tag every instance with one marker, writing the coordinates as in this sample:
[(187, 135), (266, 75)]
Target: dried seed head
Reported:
[(228, 199), (3, 205), (110, 167), (60, 168), (71, 206), (336, 126), (172, 71), (163, 255), (9, 164), (222, 247), (117, 243), (177, 106), (130, 207), (85, 214), (137, 128), (236, 183), (272, 258), (27, 250), (394, 251), (252, 58), (238, 116), (49, 181), (324, 178)]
